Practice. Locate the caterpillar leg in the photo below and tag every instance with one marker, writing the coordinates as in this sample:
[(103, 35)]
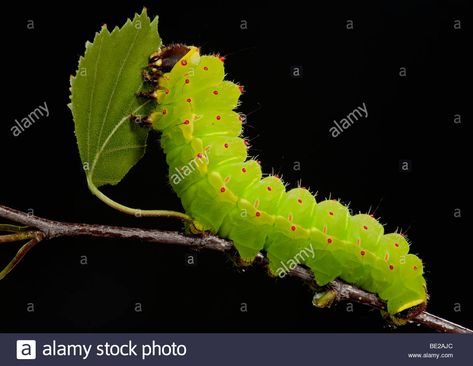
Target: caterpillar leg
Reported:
[(151, 74), (403, 317), (324, 298), (143, 121), (194, 228), (152, 94)]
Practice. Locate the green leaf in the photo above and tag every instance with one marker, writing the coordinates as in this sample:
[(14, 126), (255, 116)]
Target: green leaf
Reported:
[(103, 96)]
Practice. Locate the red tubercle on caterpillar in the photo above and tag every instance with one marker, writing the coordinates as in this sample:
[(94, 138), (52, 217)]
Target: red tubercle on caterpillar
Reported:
[(167, 91), (218, 117), (186, 122), (222, 189), (165, 112), (221, 58), (243, 170), (258, 214), (362, 253), (187, 81), (330, 213), (189, 100), (215, 92), (329, 241), (269, 188), (299, 201), (225, 145), (293, 228), (391, 267), (183, 62), (199, 155), (206, 68), (246, 142), (396, 245), (414, 268), (365, 227), (242, 88)]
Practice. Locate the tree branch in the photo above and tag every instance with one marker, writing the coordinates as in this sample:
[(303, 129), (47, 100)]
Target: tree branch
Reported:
[(336, 291)]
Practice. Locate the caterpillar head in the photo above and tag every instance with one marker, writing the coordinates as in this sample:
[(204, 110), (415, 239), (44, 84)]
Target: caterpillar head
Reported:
[(165, 59)]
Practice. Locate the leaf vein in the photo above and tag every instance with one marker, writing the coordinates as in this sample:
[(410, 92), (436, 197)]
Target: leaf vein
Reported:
[(115, 129), (122, 148)]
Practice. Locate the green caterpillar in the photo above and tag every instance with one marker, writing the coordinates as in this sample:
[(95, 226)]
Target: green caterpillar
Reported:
[(224, 191)]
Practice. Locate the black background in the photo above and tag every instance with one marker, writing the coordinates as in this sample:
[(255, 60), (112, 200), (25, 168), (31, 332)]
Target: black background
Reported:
[(289, 119)]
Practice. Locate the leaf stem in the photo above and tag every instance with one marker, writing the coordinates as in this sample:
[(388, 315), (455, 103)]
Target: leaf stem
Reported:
[(135, 211)]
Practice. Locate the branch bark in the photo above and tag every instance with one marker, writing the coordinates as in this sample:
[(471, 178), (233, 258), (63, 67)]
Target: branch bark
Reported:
[(336, 291)]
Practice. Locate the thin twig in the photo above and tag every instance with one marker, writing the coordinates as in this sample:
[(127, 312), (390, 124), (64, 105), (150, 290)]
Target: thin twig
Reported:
[(37, 237), (336, 291), (23, 235)]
